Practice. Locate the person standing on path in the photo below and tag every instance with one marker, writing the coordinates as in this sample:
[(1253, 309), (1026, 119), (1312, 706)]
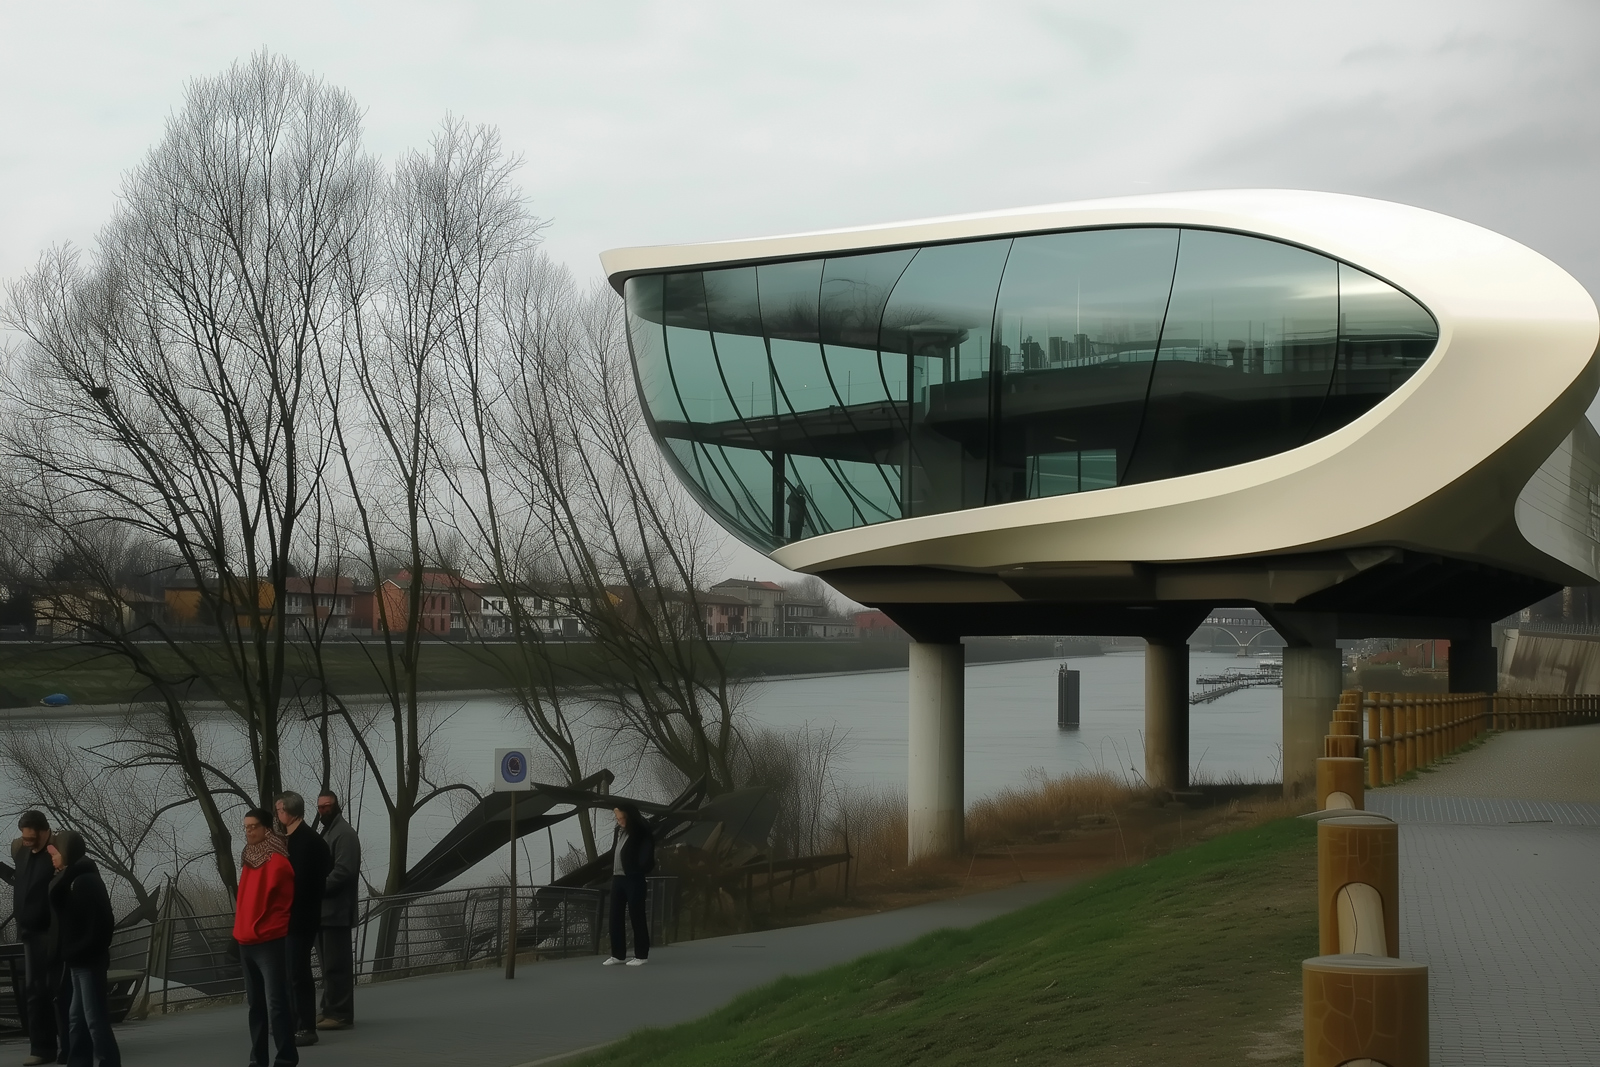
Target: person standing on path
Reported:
[(308, 855), (30, 904), (261, 926), (339, 902), (82, 914), (633, 856)]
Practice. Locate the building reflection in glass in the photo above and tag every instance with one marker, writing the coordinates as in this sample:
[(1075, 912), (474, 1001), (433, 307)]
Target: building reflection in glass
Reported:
[(803, 397)]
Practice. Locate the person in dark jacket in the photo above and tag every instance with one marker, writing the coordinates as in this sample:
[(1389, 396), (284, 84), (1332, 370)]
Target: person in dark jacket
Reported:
[(633, 856), (42, 976), (82, 912), (308, 855), (340, 894)]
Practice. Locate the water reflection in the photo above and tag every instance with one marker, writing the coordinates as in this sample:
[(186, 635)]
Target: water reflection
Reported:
[(1011, 726)]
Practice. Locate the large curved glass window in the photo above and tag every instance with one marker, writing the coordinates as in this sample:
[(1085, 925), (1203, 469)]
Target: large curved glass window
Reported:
[(1077, 325), (802, 397), (939, 320), (1246, 355)]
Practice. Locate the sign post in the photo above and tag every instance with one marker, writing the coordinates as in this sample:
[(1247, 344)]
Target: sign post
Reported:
[(511, 776)]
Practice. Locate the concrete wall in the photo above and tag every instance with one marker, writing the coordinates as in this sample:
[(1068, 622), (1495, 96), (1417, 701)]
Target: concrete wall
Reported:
[(1533, 662)]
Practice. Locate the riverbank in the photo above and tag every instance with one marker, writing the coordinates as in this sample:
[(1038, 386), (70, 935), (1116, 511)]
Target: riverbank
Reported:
[(31, 671), (1190, 958)]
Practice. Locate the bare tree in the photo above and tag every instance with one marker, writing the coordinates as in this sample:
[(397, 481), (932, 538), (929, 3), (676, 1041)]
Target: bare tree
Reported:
[(123, 814), (170, 383), (632, 551), (450, 219)]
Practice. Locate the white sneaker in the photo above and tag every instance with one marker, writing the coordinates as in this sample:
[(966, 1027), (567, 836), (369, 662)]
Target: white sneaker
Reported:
[(611, 961), (636, 962)]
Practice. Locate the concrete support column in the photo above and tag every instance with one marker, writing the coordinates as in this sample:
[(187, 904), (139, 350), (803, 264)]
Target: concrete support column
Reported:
[(1312, 681), (1474, 666), (936, 779), (1166, 712)]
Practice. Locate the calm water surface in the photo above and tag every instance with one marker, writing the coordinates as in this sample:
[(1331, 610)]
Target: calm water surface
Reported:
[(1010, 728)]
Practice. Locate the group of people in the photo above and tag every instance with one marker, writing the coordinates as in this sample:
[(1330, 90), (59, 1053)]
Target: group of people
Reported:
[(63, 915), (297, 894), (298, 891)]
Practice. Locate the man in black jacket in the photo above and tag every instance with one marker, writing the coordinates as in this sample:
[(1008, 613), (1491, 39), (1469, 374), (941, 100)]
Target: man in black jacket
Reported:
[(308, 855), (84, 922), (340, 896), (31, 906)]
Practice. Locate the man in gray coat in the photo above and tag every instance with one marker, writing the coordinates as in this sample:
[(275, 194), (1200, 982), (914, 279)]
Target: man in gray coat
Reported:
[(339, 903)]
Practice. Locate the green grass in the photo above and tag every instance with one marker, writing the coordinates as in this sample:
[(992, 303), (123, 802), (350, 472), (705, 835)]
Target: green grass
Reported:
[(1192, 958)]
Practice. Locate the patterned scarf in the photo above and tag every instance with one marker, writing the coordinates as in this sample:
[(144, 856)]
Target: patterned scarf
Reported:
[(256, 855)]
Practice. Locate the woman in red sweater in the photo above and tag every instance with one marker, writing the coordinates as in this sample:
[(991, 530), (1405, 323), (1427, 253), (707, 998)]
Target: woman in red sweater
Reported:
[(260, 924)]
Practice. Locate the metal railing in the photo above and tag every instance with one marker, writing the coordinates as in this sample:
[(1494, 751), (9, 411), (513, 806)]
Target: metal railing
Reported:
[(183, 959)]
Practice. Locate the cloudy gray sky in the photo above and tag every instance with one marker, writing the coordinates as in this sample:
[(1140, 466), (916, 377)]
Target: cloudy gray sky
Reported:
[(646, 122)]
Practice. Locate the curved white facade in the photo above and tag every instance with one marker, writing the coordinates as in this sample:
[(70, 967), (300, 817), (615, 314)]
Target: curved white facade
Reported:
[(1482, 457)]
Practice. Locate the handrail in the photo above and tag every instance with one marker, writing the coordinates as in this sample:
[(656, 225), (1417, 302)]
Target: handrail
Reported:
[(1404, 732)]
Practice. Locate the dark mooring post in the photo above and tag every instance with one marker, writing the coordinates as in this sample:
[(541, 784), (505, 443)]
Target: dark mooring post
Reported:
[(1067, 698)]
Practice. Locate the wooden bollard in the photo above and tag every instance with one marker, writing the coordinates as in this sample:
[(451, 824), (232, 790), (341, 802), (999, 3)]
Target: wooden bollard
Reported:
[(1364, 1009), (1386, 728), (1374, 746), (1343, 739), (1339, 783), (1404, 739), (1358, 886)]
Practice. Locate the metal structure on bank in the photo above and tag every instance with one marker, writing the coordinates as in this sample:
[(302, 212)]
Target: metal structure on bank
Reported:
[(1131, 416)]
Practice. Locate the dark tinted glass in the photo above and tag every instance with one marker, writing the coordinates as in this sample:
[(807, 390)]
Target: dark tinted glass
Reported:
[(1384, 336), (800, 398), (789, 293), (939, 320), (735, 484), (1077, 323), (643, 297), (1246, 357)]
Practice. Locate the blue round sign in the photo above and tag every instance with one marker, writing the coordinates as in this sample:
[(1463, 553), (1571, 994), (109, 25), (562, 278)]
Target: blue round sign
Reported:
[(514, 767)]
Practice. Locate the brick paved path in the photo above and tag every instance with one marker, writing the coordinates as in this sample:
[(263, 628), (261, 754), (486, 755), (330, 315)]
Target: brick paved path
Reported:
[(1500, 896)]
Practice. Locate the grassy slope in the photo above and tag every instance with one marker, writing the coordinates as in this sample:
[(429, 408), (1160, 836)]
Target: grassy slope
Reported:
[(1189, 958)]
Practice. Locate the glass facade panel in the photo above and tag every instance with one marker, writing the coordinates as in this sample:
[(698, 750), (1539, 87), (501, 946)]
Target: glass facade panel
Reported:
[(796, 399), (649, 355), (824, 495), (1384, 336), (940, 319), (1077, 323), (735, 484), (1246, 358)]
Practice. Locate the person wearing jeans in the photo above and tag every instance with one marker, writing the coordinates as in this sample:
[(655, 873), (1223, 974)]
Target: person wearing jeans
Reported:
[(261, 927), (42, 982), (633, 857), (81, 912)]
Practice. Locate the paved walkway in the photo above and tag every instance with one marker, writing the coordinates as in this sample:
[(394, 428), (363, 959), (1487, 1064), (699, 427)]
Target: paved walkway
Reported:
[(553, 1008), (1500, 896)]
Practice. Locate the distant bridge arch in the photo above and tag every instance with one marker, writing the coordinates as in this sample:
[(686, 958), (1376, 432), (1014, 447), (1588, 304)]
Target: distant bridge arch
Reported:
[(1242, 630)]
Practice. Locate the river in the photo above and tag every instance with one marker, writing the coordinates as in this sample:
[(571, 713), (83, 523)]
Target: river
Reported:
[(1010, 728)]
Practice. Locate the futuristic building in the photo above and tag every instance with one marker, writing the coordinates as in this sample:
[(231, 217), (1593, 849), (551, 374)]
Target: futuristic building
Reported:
[(1110, 417)]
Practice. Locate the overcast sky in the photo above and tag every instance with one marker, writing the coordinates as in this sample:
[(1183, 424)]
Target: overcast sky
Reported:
[(662, 122)]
